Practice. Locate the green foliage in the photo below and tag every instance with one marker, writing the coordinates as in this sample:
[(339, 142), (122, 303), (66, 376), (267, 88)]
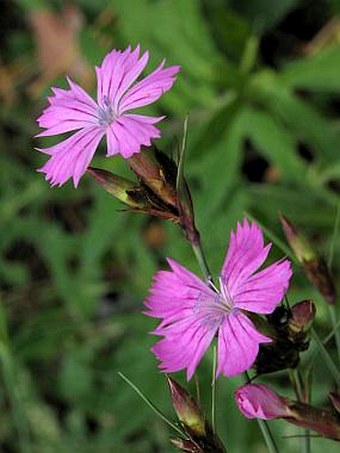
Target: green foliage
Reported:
[(74, 269)]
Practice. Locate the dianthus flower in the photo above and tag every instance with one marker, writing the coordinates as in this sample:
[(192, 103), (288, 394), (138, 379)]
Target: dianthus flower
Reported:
[(192, 312), (117, 95), (260, 401)]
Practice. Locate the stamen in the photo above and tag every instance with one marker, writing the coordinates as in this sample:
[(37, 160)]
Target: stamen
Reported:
[(106, 115), (210, 309), (226, 296)]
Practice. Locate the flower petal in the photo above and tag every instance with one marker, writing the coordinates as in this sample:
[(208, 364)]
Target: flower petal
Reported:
[(117, 72), (175, 293), (149, 89), (246, 253), (127, 134), (70, 158), (184, 345), (69, 110), (263, 291), (173, 298), (238, 344)]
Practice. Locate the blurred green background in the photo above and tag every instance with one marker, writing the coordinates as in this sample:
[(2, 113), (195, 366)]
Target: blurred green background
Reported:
[(260, 81)]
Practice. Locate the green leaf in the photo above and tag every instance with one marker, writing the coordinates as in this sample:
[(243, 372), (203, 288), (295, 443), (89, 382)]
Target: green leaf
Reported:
[(319, 72), (275, 143), (264, 14), (301, 117)]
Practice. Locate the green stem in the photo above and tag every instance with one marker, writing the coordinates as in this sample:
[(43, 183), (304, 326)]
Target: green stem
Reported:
[(267, 435), (327, 358), (213, 389), (296, 381), (297, 387), (202, 261), (264, 427)]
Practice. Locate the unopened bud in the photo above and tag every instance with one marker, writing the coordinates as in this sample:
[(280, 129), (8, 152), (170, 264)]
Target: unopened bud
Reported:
[(187, 409), (158, 174), (259, 401), (121, 188), (302, 316), (299, 243), (138, 197), (313, 265), (335, 400), (187, 445)]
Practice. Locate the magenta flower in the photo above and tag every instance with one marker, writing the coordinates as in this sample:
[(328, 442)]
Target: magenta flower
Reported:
[(193, 313), (117, 95), (260, 401)]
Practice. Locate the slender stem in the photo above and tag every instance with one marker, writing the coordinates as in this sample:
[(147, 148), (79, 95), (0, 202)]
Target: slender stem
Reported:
[(333, 316), (298, 388), (198, 392), (331, 333), (267, 435), (327, 358), (331, 308), (335, 233), (202, 261), (151, 405), (213, 389), (264, 427)]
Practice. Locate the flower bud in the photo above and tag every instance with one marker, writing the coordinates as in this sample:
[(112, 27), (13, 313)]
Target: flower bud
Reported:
[(300, 245), (259, 401), (187, 409), (158, 174), (302, 317), (335, 400), (314, 266), (138, 197), (187, 445), (121, 188)]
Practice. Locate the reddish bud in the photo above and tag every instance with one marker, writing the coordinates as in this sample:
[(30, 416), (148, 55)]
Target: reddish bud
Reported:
[(187, 445), (302, 316), (158, 174), (313, 265), (121, 188), (187, 409), (259, 401), (138, 197), (335, 400)]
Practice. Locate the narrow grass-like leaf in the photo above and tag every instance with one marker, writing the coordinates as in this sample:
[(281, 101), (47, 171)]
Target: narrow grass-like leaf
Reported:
[(152, 406)]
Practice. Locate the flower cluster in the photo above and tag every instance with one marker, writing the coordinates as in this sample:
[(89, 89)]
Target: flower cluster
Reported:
[(242, 312)]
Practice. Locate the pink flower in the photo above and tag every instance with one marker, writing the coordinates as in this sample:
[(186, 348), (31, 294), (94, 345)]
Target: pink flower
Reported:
[(193, 313), (259, 401), (117, 95)]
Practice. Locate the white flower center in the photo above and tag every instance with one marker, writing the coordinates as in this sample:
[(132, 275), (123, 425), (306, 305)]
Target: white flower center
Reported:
[(106, 114), (212, 309)]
